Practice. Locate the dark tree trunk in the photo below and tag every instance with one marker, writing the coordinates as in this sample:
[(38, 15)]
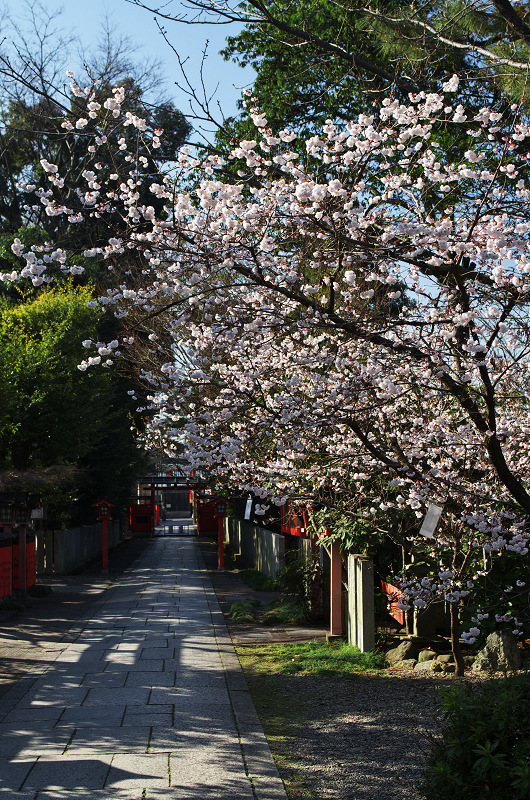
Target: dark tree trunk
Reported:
[(455, 640)]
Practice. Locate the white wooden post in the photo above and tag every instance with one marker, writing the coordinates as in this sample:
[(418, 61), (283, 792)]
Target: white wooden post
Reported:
[(361, 614)]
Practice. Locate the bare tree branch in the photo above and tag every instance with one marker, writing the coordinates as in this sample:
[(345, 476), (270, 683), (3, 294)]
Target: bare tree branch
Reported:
[(264, 16)]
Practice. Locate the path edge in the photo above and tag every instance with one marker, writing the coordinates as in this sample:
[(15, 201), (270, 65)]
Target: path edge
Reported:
[(259, 762)]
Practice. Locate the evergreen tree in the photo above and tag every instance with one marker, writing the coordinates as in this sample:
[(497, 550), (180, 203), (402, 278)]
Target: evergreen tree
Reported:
[(52, 415)]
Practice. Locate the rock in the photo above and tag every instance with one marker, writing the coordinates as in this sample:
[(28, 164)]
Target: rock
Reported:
[(446, 667), (402, 652), (428, 666), (500, 654), (445, 658), (525, 659), (469, 661), (426, 655), (407, 663)]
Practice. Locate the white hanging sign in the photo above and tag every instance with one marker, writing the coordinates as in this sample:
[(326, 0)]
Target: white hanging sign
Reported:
[(248, 508), (431, 521)]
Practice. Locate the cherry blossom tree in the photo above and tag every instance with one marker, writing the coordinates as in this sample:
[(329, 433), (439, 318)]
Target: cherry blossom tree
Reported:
[(353, 324)]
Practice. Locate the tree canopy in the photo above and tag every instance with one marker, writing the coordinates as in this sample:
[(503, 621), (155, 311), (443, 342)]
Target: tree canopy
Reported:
[(51, 415), (47, 428), (355, 321), (316, 59), (341, 321)]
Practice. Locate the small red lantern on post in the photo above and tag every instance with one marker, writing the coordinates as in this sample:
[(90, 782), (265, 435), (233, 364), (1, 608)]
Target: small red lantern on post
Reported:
[(220, 505), (103, 507)]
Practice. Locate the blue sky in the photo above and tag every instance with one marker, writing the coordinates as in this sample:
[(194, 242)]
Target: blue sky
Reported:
[(84, 18)]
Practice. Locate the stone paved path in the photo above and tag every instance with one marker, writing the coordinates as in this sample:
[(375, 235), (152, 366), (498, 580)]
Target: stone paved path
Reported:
[(147, 702)]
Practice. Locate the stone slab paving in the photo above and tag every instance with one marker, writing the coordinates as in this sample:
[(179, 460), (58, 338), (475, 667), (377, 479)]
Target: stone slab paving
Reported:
[(26, 636), (146, 701)]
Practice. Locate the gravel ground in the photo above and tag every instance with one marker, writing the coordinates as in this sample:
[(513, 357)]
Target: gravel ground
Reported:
[(360, 740)]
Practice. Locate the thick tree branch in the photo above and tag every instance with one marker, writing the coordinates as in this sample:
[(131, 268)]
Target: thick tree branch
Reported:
[(510, 15), (469, 46)]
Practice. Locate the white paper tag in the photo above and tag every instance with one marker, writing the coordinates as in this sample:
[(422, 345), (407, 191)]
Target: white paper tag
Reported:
[(248, 508), (431, 520)]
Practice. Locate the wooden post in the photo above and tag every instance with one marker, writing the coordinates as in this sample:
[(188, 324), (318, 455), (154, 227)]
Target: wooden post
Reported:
[(39, 545), (153, 509), (220, 541), (361, 617), (22, 557), (105, 548), (197, 508), (335, 626), (103, 507)]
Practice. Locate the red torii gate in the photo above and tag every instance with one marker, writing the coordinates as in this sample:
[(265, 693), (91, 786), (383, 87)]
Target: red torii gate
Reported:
[(143, 515)]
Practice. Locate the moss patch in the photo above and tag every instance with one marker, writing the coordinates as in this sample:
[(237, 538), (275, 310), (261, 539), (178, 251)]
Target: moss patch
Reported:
[(336, 659), (286, 609)]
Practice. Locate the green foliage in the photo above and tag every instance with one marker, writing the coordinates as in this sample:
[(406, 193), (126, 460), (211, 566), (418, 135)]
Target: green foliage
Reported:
[(505, 569), (336, 659), (28, 234), (257, 580), (296, 578), (356, 533), (52, 414), (324, 60), (18, 603), (302, 84), (459, 36), (484, 749), (44, 394), (286, 609), (244, 610), (39, 590)]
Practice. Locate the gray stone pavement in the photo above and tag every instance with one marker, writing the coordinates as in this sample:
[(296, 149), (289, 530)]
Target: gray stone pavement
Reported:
[(146, 701)]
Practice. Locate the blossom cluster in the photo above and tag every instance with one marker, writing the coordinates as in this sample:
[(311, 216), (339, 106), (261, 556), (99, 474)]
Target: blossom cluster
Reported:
[(354, 312)]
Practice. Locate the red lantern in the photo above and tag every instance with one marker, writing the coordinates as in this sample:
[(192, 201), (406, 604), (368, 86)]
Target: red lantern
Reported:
[(103, 507)]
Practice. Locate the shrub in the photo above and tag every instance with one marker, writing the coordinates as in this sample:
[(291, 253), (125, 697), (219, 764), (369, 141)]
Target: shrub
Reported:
[(296, 578), (15, 603), (484, 749), (39, 590), (244, 610), (257, 580), (289, 609)]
